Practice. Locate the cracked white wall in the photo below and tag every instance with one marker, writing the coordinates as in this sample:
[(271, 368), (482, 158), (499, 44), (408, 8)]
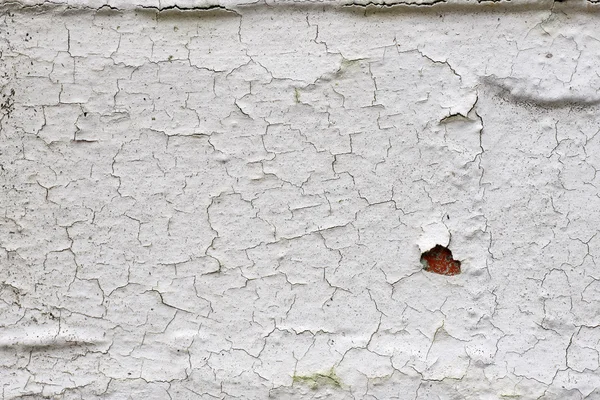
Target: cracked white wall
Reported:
[(232, 202)]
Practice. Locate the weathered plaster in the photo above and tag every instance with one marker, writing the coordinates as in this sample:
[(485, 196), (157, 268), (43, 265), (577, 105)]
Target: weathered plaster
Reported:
[(230, 199)]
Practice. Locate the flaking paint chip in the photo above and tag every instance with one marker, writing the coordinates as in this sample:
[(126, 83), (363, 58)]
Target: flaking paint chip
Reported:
[(439, 261)]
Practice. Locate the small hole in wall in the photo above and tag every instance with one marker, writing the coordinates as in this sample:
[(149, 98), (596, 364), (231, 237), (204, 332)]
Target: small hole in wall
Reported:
[(439, 261)]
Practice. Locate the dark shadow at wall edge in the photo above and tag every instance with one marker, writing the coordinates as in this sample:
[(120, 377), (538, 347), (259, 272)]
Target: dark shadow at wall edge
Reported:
[(226, 9), (170, 13), (399, 7)]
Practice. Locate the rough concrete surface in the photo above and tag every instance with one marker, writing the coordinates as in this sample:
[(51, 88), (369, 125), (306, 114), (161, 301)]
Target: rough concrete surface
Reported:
[(219, 200)]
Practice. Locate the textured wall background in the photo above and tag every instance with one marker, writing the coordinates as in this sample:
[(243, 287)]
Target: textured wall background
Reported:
[(231, 201)]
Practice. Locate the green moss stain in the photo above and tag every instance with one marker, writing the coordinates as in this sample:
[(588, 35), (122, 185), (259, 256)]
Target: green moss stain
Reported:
[(316, 380), (348, 63), (297, 95)]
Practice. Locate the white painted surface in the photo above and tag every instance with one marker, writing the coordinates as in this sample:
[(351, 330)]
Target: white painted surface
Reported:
[(233, 202)]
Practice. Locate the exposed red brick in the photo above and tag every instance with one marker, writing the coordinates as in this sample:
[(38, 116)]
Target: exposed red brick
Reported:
[(439, 261)]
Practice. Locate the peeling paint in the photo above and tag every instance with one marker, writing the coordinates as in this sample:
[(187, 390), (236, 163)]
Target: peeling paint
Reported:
[(228, 199)]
